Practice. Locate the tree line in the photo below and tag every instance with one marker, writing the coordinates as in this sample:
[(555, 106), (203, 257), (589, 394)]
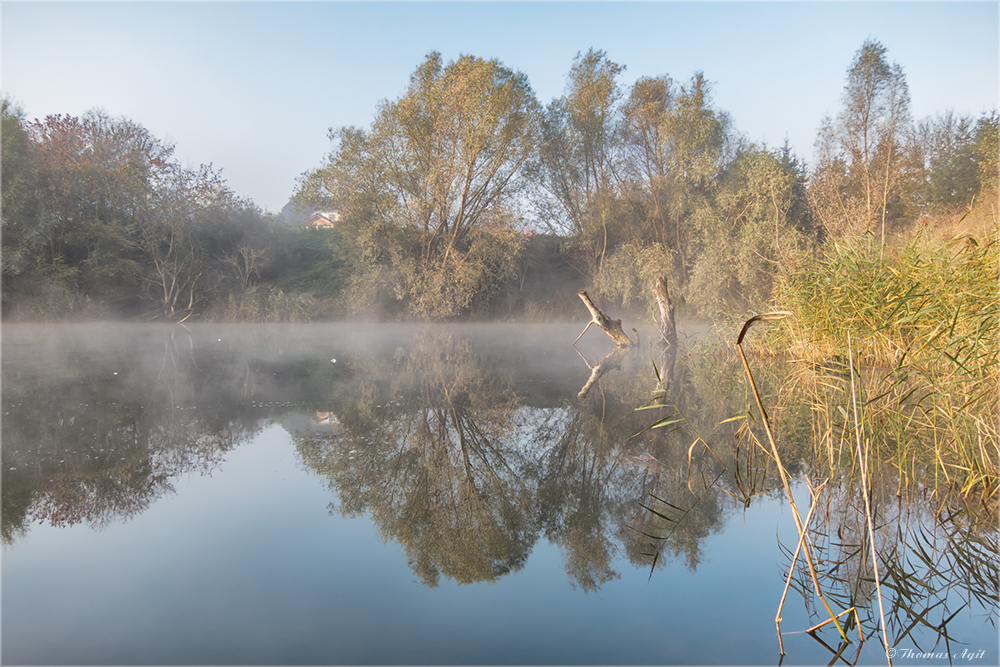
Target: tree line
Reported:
[(441, 197), (100, 219)]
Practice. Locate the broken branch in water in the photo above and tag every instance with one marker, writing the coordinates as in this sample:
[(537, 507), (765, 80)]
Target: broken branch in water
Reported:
[(611, 327)]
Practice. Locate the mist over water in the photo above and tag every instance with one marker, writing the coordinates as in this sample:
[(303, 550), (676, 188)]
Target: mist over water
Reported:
[(373, 494)]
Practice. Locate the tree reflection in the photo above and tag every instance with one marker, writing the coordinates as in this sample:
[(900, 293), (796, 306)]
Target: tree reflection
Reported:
[(428, 445), (439, 438), (95, 429), (669, 470), (581, 492), (436, 442)]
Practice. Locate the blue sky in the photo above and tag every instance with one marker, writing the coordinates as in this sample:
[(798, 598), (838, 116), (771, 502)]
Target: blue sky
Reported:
[(253, 87)]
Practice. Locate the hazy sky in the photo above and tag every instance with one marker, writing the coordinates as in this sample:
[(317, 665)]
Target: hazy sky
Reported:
[(253, 87)]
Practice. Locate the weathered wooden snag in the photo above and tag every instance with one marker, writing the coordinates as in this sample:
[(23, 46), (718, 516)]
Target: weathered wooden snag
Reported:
[(668, 327), (611, 327)]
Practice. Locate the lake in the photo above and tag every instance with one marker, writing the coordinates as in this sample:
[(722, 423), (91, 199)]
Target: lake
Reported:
[(432, 494)]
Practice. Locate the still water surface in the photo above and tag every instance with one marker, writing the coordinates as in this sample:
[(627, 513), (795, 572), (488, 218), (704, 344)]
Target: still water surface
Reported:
[(348, 494)]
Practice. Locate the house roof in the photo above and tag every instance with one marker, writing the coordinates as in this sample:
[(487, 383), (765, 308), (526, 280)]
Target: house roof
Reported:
[(322, 219)]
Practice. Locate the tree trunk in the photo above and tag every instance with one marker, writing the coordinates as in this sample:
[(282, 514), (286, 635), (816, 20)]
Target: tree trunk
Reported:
[(611, 327), (668, 327)]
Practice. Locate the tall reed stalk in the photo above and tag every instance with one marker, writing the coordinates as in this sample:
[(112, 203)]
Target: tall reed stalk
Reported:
[(799, 525), (863, 462)]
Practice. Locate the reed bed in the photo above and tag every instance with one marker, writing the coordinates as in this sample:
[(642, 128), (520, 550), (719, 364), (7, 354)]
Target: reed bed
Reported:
[(907, 423), (921, 328), (935, 302)]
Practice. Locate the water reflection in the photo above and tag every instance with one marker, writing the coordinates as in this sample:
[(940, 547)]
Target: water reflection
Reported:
[(464, 449), (94, 430), (428, 445), (451, 458), (937, 559), (466, 446)]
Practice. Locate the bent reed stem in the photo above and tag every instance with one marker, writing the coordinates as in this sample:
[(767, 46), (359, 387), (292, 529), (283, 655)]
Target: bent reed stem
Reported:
[(777, 315)]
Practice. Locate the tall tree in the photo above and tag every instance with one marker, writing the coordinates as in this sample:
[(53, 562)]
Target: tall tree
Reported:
[(647, 157), (171, 238), (861, 154), (987, 150), (676, 148), (579, 155), (949, 171), (92, 178), (752, 229), (97, 215), (438, 166), (25, 223)]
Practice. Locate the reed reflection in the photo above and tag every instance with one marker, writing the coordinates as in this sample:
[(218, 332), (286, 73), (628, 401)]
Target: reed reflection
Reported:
[(929, 548), (936, 559)]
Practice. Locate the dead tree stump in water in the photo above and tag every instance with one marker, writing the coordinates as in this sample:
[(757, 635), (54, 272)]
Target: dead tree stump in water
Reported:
[(668, 329), (611, 327), (668, 326)]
